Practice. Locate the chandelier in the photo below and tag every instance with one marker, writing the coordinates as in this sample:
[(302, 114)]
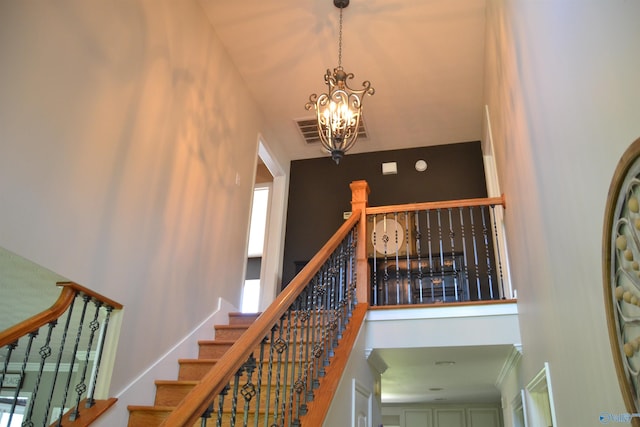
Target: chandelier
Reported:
[(339, 111)]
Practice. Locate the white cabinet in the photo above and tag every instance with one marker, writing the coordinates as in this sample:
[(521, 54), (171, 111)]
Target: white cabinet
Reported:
[(483, 417), (453, 417), (470, 415), (417, 418)]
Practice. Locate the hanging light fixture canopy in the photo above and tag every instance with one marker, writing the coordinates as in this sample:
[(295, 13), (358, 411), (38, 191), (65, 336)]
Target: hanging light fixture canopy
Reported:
[(339, 111)]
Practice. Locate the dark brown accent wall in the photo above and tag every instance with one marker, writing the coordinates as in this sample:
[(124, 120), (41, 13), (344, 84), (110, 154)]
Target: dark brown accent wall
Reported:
[(319, 190)]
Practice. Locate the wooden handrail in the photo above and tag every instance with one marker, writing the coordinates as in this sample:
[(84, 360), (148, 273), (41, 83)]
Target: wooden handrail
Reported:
[(462, 203), (68, 293), (196, 402), (92, 294)]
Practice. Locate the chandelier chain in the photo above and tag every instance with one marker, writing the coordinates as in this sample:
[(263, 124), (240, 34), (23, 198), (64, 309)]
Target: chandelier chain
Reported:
[(340, 42)]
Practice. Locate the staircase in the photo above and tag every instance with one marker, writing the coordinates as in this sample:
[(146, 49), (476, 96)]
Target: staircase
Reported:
[(170, 392)]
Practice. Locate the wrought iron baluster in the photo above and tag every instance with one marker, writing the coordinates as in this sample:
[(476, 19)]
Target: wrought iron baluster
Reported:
[(10, 347), (441, 255), (248, 390), (308, 347), (300, 384), (260, 363), (44, 352), (221, 398), (419, 255), (280, 345), (454, 267), (85, 299), (234, 396), (498, 256), (352, 269), (376, 289), (291, 367), (485, 235), (81, 388), (397, 258), (331, 307), (385, 245), (431, 275), (206, 415), (341, 282), (465, 268), (267, 404), (96, 368), (316, 343), (58, 363), (285, 382), (407, 239), (23, 368), (475, 253)]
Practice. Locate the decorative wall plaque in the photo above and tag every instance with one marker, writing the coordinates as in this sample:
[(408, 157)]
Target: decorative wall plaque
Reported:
[(621, 270)]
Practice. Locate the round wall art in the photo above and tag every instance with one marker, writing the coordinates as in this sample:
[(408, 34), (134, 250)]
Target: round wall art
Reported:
[(621, 270)]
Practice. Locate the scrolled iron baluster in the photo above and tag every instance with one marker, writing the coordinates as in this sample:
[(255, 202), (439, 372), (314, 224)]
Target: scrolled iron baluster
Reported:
[(45, 353), (499, 257), (428, 215), (353, 271), (234, 395), (475, 253), (10, 347), (27, 353), (485, 236), (81, 387), (294, 349), (374, 254), (206, 415), (279, 345), (465, 266), (442, 282), (418, 237), (59, 361), (407, 224), (248, 389), (221, 397), (74, 353), (454, 265), (301, 383), (397, 259), (99, 351), (260, 368), (267, 403)]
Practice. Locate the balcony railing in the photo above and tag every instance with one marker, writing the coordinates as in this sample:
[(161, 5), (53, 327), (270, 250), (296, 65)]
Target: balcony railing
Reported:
[(437, 252)]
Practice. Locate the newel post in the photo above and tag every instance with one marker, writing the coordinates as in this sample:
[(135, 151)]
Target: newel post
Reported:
[(360, 201)]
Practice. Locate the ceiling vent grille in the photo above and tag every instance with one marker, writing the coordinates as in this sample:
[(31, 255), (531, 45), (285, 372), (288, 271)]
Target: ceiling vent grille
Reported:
[(309, 130)]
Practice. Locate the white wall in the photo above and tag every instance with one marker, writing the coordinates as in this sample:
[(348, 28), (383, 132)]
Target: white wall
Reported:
[(563, 94), (127, 147), (357, 385)]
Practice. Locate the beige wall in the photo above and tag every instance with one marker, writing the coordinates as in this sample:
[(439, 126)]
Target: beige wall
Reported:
[(127, 152), (563, 95)]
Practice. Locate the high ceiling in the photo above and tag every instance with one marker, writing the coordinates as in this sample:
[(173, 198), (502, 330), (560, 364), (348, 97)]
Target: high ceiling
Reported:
[(424, 58)]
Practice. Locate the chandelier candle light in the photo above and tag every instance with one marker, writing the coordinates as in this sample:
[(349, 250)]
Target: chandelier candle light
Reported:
[(339, 111)]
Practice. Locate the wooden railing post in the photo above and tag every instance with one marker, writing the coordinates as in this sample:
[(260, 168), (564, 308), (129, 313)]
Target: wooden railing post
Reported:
[(359, 202)]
